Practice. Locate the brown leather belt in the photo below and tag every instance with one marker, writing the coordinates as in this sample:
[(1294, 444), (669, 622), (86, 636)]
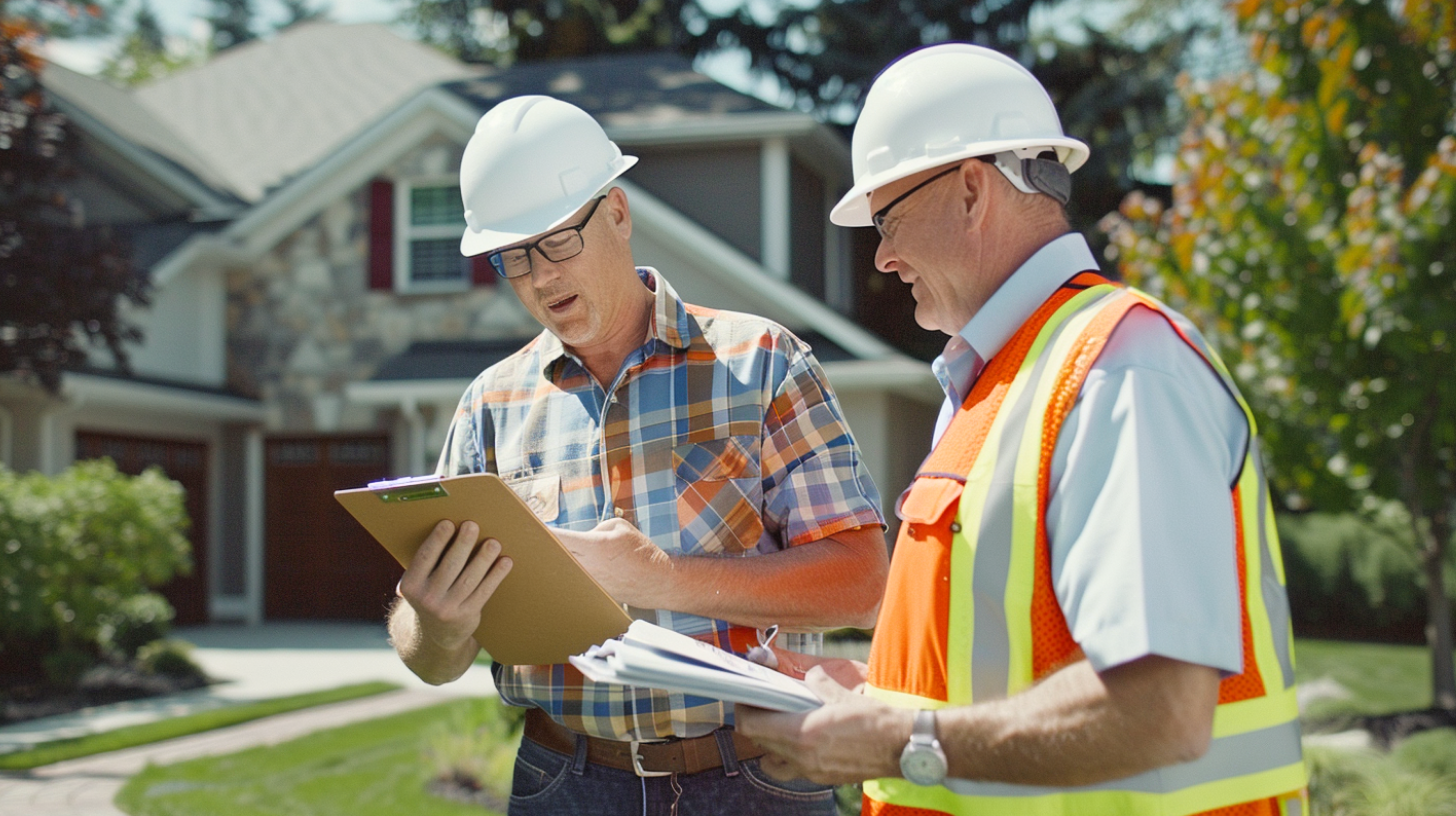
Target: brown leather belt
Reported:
[(675, 756)]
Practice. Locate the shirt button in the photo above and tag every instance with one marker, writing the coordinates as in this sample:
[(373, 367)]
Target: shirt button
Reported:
[(955, 526), (617, 511)]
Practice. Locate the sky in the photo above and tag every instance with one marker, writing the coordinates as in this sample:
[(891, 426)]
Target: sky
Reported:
[(183, 20)]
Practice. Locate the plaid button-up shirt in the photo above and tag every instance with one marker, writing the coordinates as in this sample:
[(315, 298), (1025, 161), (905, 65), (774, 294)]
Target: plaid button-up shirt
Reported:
[(720, 436)]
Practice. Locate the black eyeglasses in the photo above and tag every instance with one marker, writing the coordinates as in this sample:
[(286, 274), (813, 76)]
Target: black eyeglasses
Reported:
[(556, 247), (878, 219)]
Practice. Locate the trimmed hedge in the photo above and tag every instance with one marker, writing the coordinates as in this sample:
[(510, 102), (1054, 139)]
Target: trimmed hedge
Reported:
[(79, 553), (1357, 577)]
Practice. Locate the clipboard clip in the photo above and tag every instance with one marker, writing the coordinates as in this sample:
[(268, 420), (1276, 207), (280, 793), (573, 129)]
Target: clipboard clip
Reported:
[(410, 488)]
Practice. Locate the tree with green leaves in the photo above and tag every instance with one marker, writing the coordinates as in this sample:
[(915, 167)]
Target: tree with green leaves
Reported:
[(301, 11), (232, 23), (60, 280), (1310, 234), (143, 54)]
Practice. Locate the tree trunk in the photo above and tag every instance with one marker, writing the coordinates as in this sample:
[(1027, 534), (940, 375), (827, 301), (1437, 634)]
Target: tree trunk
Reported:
[(1433, 537)]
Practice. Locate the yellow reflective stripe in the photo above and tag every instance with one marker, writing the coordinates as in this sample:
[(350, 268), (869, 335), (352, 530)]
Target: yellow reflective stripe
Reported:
[(1276, 551), (1195, 799), (900, 699), (1270, 671), (1026, 510), (1252, 715), (961, 624)]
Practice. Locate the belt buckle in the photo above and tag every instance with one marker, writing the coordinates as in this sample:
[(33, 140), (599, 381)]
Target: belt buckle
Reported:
[(637, 763)]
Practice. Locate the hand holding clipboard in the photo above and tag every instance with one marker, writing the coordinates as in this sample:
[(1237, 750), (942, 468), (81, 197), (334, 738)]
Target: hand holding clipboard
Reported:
[(545, 610)]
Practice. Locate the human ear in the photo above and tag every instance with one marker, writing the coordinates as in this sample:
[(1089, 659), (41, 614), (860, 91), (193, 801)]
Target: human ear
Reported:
[(619, 213)]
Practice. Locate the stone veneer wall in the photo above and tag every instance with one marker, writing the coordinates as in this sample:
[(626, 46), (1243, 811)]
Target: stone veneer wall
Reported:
[(303, 323)]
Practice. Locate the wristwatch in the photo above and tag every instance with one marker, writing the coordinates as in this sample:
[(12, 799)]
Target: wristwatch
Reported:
[(923, 762)]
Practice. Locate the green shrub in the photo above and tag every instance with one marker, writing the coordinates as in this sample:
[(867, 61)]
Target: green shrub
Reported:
[(136, 621), (64, 667), (1407, 782), (1356, 576), (76, 548), (171, 658), (477, 747)]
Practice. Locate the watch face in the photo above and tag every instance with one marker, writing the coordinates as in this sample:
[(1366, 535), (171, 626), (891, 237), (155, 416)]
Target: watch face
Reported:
[(923, 765)]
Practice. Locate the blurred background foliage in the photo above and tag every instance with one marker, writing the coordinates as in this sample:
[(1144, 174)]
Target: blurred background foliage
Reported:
[(79, 555), (1309, 236)]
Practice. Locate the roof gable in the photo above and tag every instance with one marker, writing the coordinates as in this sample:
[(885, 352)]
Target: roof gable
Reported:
[(264, 111), (619, 90)]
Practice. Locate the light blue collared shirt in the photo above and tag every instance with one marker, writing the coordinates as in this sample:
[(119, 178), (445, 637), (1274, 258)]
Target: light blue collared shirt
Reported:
[(1140, 518)]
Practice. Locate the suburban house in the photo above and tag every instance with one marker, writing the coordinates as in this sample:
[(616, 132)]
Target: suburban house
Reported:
[(314, 325)]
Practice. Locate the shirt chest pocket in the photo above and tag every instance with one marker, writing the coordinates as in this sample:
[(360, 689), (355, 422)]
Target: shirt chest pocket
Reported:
[(719, 492), (540, 493)]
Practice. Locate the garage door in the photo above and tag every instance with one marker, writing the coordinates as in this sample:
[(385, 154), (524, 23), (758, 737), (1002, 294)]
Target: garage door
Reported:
[(319, 563), (184, 462)]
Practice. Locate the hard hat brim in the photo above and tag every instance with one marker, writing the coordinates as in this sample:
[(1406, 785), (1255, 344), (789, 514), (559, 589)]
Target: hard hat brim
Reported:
[(853, 210), (523, 227)]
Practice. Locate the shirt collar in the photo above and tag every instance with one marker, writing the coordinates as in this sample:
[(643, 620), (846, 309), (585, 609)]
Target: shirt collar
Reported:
[(670, 322), (1010, 306)]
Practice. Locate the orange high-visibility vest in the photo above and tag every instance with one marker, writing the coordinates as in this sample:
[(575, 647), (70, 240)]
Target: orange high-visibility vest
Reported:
[(970, 614)]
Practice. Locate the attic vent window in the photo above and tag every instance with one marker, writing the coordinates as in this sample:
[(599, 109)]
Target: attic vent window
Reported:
[(430, 220)]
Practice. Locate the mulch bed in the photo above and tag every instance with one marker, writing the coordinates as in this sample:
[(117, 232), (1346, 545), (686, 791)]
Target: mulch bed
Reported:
[(466, 789), (1388, 729), (22, 700)]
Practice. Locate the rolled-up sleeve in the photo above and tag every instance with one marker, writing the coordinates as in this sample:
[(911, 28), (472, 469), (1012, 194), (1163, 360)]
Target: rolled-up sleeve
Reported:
[(815, 480), (1141, 520)]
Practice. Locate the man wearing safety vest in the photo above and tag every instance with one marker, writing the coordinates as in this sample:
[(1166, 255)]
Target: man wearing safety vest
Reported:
[(1086, 610)]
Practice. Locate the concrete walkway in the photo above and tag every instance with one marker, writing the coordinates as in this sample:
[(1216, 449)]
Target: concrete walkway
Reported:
[(273, 660)]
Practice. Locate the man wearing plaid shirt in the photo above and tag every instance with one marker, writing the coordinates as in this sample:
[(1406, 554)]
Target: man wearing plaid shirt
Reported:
[(695, 461)]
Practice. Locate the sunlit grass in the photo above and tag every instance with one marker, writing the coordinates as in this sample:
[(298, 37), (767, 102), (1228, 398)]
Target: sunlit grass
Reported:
[(374, 768), (172, 727)]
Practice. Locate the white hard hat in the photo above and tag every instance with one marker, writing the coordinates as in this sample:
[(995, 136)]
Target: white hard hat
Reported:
[(945, 103), (532, 162)]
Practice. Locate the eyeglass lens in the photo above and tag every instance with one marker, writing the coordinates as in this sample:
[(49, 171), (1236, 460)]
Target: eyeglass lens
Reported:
[(562, 245)]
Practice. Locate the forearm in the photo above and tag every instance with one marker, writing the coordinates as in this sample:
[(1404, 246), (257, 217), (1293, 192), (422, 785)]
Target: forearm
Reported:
[(432, 662), (826, 584), (1078, 727)]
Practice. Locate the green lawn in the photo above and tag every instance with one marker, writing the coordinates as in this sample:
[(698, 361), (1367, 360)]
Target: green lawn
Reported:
[(381, 767), (1382, 678), (131, 736), (375, 768)]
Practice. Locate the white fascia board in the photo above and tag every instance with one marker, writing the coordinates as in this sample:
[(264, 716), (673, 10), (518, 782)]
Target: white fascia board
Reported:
[(668, 225), (746, 126), (429, 112), (206, 251), (87, 389), (825, 150), (210, 205), (905, 377), (401, 393)]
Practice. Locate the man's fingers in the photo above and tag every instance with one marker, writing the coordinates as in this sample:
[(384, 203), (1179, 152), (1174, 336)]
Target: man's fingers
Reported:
[(426, 559), (499, 568), (453, 562), (476, 568), (428, 555)]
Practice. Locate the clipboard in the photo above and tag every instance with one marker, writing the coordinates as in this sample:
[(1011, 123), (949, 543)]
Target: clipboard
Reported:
[(547, 609)]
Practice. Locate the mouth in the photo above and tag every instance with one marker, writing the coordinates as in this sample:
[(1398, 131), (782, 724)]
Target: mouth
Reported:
[(560, 304)]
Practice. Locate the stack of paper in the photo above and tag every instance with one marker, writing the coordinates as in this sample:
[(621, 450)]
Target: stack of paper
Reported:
[(649, 655)]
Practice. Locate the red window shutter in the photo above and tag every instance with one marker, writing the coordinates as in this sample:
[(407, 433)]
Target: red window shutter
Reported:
[(381, 234), (481, 272)]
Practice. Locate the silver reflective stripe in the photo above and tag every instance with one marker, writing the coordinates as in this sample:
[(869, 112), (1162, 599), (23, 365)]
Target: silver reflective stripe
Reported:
[(1227, 758), (991, 643), (1276, 603)]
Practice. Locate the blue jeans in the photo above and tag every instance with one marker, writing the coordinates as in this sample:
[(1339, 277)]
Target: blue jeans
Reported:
[(550, 783)]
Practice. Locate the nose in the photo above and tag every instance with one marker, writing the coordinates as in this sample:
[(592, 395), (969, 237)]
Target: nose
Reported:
[(543, 270), (885, 258)]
